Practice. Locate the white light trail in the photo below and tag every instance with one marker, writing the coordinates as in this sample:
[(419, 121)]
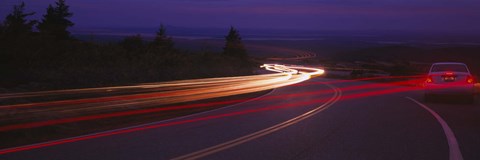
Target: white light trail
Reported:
[(155, 94)]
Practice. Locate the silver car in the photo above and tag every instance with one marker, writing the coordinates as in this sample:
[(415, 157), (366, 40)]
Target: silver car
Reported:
[(450, 78)]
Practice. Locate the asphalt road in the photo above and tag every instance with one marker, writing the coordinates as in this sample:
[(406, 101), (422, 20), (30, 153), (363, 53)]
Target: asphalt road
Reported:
[(340, 121)]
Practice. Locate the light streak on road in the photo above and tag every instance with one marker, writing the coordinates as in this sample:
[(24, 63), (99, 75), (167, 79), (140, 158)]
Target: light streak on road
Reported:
[(84, 110), (268, 108), (293, 74), (207, 88), (191, 106), (148, 95), (140, 87)]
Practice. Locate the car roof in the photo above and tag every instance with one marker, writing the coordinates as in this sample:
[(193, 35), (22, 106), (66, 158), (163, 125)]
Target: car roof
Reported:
[(448, 63)]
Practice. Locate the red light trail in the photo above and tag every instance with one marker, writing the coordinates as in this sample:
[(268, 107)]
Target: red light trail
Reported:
[(288, 76), (145, 111), (300, 104)]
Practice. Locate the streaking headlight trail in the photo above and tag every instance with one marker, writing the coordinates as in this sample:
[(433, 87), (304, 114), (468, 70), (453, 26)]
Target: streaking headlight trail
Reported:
[(150, 94)]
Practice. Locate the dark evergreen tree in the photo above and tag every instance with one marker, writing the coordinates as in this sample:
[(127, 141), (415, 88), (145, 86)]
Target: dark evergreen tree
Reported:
[(131, 43), (162, 41), (234, 46), (16, 23), (2, 29), (56, 21)]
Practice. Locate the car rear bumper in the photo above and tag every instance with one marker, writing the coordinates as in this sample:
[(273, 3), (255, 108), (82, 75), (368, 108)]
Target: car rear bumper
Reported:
[(464, 89)]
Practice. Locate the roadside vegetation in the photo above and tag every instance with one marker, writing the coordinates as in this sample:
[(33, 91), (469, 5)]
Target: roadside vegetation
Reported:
[(42, 55), (405, 60)]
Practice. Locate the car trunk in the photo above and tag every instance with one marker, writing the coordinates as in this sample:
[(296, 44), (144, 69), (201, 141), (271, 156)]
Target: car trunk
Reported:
[(449, 77)]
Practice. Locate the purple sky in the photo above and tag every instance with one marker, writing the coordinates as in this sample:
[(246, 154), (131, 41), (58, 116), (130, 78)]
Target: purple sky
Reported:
[(436, 15)]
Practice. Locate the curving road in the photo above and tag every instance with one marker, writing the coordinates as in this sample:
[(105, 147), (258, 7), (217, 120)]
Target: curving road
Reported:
[(316, 119)]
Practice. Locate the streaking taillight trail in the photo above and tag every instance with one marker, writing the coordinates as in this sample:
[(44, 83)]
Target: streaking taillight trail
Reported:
[(193, 90)]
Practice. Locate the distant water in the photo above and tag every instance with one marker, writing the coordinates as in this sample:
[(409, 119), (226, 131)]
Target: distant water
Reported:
[(427, 43), (199, 37), (370, 37)]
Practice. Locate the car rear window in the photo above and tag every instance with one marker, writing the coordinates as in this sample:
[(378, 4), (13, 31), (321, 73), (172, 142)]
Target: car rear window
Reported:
[(449, 67)]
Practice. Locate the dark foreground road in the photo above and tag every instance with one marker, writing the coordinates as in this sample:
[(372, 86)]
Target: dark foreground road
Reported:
[(337, 121)]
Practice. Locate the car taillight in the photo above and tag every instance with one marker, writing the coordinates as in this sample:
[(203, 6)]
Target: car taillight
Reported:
[(470, 79), (429, 79)]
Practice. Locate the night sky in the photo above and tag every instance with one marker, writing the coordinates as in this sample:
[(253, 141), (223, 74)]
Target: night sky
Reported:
[(431, 15)]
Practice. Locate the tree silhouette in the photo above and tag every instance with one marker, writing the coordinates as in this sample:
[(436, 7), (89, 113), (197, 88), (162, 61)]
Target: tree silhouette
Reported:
[(16, 24), (234, 46), (162, 41), (132, 43), (2, 29), (56, 22)]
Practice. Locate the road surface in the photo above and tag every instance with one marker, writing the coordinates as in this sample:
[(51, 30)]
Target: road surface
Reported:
[(317, 119)]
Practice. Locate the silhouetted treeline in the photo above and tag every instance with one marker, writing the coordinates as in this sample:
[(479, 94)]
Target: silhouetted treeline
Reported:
[(407, 60), (49, 58)]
